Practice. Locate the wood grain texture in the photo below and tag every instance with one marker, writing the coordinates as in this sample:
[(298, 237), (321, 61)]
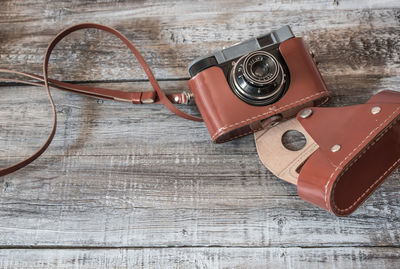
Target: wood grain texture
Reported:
[(135, 186), (202, 258), (124, 201), (349, 38)]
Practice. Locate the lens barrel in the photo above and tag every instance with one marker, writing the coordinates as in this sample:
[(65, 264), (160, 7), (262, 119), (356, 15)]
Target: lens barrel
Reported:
[(258, 78)]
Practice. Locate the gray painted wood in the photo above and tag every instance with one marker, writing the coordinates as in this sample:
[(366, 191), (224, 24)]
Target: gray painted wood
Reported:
[(355, 37), (135, 186), (215, 257)]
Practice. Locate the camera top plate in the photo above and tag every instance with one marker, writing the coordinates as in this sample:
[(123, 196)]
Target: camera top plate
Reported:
[(240, 49)]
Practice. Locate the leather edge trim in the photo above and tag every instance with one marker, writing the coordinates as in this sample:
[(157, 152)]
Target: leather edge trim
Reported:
[(346, 211), (227, 128)]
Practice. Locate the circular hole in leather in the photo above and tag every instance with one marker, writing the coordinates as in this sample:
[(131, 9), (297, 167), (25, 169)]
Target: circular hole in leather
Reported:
[(293, 140)]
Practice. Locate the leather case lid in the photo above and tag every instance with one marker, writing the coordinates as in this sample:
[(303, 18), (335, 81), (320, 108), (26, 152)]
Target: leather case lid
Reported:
[(369, 140), (351, 150)]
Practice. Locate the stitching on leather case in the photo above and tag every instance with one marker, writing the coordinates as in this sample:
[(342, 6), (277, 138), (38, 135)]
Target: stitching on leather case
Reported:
[(340, 164), (376, 181), (367, 190), (261, 115), (236, 136)]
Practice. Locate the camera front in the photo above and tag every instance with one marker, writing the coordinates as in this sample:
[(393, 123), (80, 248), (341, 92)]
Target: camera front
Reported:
[(254, 84)]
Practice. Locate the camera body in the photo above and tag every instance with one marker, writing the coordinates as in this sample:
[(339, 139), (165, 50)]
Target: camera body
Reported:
[(255, 84)]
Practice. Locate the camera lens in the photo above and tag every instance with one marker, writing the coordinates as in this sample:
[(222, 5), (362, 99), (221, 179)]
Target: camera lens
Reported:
[(258, 78), (260, 69)]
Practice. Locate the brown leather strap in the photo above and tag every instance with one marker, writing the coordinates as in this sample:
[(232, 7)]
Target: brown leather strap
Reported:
[(147, 97), (156, 96)]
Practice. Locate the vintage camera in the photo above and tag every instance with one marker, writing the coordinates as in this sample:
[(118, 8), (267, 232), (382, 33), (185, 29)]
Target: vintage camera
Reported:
[(254, 69), (255, 84)]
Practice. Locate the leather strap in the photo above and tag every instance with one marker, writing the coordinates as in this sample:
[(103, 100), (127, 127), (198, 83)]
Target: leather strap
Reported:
[(147, 97), (156, 96)]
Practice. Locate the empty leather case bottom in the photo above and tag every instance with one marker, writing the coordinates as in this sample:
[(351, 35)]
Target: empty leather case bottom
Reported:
[(349, 151)]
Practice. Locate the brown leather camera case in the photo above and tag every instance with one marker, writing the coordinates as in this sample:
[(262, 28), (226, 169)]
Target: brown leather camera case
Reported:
[(227, 117), (348, 154)]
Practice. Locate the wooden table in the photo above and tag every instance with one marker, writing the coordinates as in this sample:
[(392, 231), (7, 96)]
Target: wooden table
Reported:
[(137, 187)]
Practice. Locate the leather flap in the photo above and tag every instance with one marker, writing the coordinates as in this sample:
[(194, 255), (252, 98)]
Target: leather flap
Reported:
[(359, 146), (349, 151)]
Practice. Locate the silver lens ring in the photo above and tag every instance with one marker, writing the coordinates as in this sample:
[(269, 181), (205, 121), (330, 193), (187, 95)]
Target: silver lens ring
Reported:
[(240, 92), (255, 58)]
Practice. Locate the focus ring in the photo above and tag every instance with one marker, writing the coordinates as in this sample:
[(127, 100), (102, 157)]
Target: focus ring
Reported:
[(251, 60)]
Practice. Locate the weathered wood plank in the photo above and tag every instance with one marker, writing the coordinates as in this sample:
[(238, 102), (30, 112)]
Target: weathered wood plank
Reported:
[(178, 200), (90, 127), (128, 176), (288, 258), (348, 39), (112, 173)]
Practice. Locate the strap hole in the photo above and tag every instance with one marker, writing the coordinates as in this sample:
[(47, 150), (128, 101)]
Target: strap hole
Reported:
[(293, 140)]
